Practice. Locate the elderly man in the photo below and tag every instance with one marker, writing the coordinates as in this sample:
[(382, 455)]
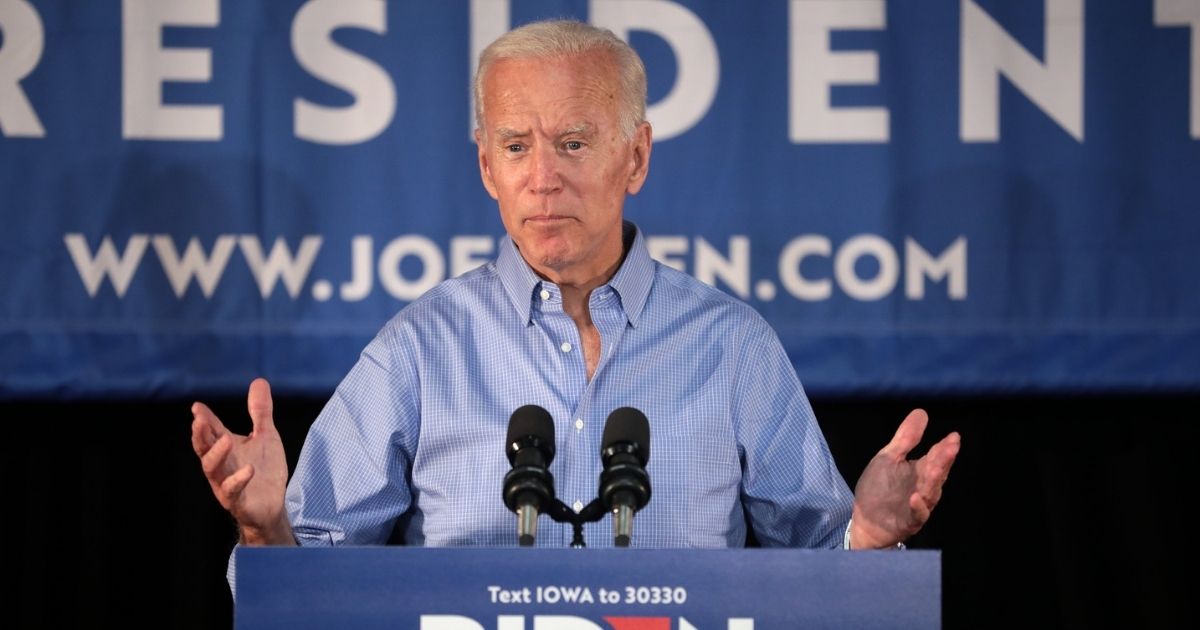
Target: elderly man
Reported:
[(576, 317)]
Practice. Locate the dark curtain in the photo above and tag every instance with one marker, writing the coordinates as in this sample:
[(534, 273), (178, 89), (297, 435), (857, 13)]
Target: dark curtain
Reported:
[(1069, 512)]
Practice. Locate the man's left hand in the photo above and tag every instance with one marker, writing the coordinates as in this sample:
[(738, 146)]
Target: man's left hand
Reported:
[(895, 496)]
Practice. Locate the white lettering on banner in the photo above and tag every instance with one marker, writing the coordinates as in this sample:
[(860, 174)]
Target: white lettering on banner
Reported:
[(464, 256), (919, 264), (734, 271), (432, 263), (106, 263), (489, 20), (1185, 13), (361, 278), (735, 623), (568, 594), (698, 67), (280, 263), (789, 268), (563, 622), (846, 258), (559, 622), (813, 68), (458, 622), (667, 249), (987, 51), (1055, 84), (463, 250), (453, 622), (372, 87), (145, 65), (500, 595), (731, 267), (206, 270), (647, 595), (23, 38)]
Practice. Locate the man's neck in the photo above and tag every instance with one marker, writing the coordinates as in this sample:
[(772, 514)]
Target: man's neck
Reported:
[(576, 287), (576, 293), (576, 284)]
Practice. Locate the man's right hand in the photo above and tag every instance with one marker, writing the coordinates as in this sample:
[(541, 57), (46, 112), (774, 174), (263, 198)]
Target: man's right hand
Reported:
[(248, 474)]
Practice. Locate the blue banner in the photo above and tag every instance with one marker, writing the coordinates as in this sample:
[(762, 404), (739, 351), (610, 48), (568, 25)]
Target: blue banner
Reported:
[(977, 196), (600, 589)]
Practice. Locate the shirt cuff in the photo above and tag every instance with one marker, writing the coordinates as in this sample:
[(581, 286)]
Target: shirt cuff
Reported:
[(846, 540)]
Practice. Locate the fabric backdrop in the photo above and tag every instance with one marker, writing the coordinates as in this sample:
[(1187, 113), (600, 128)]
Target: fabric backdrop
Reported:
[(928, 196)]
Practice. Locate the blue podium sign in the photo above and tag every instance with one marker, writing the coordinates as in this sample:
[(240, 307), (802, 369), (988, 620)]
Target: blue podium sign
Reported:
[(568, 589)]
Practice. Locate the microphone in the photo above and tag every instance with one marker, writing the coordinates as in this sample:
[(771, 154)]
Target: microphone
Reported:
[(529, 487), (624, 484)]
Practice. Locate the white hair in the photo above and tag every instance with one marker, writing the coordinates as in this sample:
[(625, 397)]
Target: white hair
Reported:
[(568, 38)]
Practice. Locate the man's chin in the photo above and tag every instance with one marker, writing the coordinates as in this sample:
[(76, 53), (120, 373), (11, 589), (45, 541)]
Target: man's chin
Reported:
[(547, 252), (551, 261)]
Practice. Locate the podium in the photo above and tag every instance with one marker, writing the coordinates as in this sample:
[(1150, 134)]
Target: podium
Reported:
[(585, 589)]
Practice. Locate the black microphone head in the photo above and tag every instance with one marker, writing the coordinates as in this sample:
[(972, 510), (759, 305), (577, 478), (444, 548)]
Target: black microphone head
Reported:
[(629, 426), (531, 426)]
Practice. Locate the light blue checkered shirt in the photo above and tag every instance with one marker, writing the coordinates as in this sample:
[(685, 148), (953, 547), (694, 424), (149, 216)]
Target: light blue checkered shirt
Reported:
[(417, 429)]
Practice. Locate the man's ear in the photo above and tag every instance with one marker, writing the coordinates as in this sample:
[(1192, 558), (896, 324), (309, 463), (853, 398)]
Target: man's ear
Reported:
[(485, 171), (642, 142)]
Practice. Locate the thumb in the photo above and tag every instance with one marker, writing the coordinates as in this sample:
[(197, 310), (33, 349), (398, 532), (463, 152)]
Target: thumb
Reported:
[(258, 402), (909, 434)]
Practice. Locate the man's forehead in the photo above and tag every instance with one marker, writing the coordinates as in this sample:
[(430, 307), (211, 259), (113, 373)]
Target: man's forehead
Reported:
[(511, 81), (550, 95)]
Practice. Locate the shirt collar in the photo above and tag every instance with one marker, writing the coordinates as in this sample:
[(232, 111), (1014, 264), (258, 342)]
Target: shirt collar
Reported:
[(631, 282)]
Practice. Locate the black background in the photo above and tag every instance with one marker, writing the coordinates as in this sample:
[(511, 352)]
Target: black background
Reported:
[(1069, 512)]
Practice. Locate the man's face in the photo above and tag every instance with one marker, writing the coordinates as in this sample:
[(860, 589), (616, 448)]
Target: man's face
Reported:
[(552, 155)]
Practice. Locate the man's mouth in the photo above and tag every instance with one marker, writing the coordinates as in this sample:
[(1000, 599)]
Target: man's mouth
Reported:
[(547, 219)]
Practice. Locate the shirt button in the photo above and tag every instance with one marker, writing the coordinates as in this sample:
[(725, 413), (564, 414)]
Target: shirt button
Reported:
[(566, 347), (578, 424), (578, 506), (545, 294)]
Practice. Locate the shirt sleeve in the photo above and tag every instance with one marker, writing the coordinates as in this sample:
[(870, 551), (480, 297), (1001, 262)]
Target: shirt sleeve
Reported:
[(351, 482), (352, 479), (792, 491)]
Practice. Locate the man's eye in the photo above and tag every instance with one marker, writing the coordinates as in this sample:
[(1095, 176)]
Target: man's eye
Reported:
[(514, 148), (573, 145)]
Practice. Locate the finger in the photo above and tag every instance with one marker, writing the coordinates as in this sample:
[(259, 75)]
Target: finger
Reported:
[(908, 435), (941, 456), (200, 411), (214, 459), (929, 488), (258, 402), (934, 468), (202, 437), (234, 484), (920, 509)]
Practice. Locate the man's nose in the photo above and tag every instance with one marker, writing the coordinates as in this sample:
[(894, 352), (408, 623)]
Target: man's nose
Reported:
[(545, 177)]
